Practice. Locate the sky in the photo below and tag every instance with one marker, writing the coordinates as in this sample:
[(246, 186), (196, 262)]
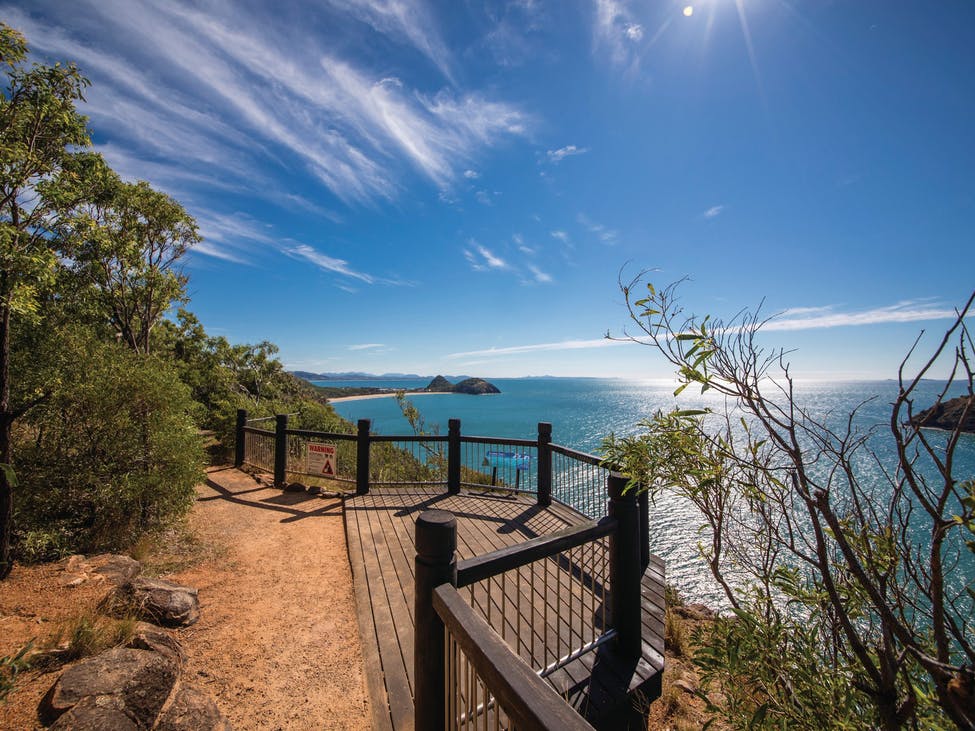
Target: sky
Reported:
[(458, 187)]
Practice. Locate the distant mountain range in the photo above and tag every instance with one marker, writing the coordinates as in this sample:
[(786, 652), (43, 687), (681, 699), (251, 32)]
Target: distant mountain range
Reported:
[(359, 376)]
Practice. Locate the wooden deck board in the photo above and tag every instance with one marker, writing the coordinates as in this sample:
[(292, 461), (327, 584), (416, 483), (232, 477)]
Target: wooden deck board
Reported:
[(380, 530)]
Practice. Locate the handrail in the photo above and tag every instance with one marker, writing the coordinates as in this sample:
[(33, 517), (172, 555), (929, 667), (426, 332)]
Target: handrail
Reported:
[(491, 564), (582, 456), (337, 436), (506, 441), (526, 699), (255, 430)]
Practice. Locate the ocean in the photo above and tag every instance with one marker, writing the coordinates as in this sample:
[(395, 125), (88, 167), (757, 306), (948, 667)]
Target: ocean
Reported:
[(583, 411)]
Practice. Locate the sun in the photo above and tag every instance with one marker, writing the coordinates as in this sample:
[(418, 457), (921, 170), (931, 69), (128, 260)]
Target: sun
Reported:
[(688, 11)]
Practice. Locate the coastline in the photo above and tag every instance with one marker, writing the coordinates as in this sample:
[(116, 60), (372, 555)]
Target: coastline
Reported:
[(362, 397)]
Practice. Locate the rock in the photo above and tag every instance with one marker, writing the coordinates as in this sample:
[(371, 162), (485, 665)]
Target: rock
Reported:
[(693, 611), (72, 580), (315, 490), (76, 564), (150, 637), (476, 387), (294, 487), (159, 601), (115, 568), (687, 685), (96, 713), (192, 710), (955, 413), (440, 385), (140, 682)]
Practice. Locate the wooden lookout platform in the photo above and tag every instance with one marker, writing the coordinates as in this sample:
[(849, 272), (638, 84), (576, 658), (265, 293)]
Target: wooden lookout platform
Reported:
[(532, 609)]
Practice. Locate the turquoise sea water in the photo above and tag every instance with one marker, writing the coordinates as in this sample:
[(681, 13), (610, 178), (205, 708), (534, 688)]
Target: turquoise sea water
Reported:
[(584, 410)]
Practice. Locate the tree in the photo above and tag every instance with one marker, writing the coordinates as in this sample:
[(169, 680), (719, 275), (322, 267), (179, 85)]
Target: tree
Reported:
[(125, 242), (843, 611), (38, 127)]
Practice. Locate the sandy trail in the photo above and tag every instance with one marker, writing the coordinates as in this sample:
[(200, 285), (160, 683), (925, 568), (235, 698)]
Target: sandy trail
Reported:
[(277, 642)]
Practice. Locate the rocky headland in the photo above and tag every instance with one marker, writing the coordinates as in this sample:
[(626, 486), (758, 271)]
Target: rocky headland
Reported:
[(956, 413)]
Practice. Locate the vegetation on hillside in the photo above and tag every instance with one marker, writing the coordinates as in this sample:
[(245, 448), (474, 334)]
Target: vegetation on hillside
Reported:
[(102, 398), (839, 565)]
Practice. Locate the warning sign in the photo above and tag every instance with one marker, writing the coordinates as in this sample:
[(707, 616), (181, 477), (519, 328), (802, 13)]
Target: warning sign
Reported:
[(322, 460)]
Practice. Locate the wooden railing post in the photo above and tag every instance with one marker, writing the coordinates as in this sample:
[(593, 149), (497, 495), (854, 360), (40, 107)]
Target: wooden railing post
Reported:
[(362, 458), (544, 464), (436, 540), (280, 449), (453, 456), (644, 500), (239, 437), (624, 566)]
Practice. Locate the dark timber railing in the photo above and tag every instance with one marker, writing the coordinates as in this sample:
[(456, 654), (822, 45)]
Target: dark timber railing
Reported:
[(474, 664)]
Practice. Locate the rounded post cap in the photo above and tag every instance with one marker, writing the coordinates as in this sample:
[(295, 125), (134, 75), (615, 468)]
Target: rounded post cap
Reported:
[(436, 534)]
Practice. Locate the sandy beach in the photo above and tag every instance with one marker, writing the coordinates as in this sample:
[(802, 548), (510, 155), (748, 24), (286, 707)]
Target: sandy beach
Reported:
[(387, 395)]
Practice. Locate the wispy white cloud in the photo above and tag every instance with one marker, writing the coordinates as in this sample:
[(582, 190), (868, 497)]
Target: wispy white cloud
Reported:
[(471, 174), (197, 97), (367, 346), (538, 275), (713, 211), (604, 233), (406, 21), (616, 31), (557, 156), (482, 258), (815, 318), (561, 236), (537, 347), (326, 262)]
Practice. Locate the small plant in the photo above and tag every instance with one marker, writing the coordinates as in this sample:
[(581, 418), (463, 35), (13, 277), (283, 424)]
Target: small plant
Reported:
[(10, 667), (90, 633), (675, 634)]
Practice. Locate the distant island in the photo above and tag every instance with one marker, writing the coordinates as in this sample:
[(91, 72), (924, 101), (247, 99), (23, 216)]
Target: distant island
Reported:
[(440, 384), (362, 376)]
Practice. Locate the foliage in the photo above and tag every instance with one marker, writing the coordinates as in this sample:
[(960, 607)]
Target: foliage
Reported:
[(10, 667), (843, 612), (112, 453), (125, 242)]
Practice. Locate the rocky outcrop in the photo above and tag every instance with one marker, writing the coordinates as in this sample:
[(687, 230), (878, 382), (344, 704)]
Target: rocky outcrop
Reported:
[(957, 413), (194, 710), (440, 385), (473, 386), (134, 683), (159, 601), (109, 567), (476, 387)]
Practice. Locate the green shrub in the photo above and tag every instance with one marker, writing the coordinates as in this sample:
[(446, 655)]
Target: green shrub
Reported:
[(111, 454)]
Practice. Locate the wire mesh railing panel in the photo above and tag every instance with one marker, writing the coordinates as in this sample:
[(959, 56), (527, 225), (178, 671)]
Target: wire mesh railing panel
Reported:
[(499, 464), (259, 449), (549, 611), (469, 702), (408, 462), (579, 483), (322, 458)]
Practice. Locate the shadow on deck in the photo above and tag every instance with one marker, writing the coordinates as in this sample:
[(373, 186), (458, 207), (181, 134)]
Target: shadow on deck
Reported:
[(380, 533)]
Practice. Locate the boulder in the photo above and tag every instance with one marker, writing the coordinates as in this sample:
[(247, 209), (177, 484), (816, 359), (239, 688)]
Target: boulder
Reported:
[(150, 637), (955, 413), (115, 568), (159, 601), (192, 710), (136, 682), (96, 713)]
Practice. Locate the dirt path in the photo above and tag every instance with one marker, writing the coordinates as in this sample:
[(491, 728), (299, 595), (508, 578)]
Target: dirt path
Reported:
[(277, 642)]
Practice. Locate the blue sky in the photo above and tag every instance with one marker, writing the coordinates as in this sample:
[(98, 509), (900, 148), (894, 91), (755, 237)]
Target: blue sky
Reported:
[(453, 187)]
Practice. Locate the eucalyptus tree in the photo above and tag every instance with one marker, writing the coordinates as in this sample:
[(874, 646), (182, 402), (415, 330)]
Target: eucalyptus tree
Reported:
[(40, 127), (840, 561)]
